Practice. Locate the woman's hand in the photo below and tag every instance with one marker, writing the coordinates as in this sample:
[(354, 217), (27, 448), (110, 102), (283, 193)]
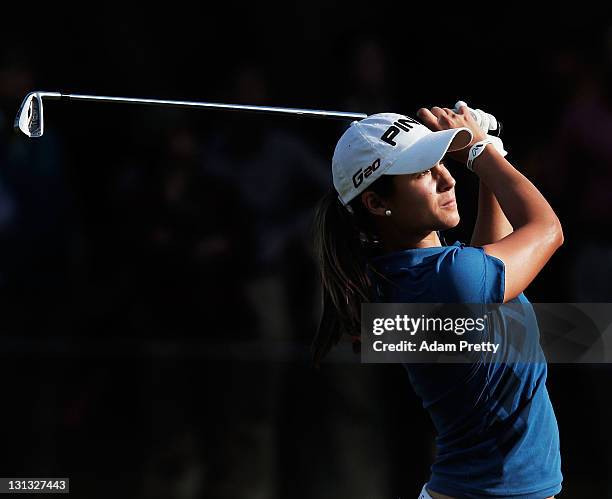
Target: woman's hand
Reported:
[(443, 118)]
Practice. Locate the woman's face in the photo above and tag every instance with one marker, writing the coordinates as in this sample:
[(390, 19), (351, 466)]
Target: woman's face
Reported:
[(424, 201)]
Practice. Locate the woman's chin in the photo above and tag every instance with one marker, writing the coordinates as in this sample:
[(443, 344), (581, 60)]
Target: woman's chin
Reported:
[(451, 221)]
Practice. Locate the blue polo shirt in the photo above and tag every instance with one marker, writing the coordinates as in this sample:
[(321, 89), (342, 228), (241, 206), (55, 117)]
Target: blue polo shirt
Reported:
[(497, 434)]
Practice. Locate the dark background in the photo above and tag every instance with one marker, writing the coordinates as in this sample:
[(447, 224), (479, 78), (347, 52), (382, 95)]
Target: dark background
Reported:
[(157, 288)]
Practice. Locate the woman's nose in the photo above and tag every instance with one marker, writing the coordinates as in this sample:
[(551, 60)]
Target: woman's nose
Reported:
[(445, 180)]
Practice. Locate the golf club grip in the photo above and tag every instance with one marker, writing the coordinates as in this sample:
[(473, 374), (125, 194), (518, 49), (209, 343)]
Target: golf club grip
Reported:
[(498, 131), (479, 115)]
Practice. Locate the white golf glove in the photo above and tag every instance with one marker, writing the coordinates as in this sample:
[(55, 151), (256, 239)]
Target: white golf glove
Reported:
[(488, 123)]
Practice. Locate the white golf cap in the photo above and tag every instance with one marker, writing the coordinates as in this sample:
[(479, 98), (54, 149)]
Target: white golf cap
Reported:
[(388, 144)]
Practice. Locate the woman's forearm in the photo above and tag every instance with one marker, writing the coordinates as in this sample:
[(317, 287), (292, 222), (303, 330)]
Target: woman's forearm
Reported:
[(521, 202), (537, 231), (491, 223)]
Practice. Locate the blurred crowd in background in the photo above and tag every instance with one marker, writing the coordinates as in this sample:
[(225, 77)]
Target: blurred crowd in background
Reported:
[(158, 290)]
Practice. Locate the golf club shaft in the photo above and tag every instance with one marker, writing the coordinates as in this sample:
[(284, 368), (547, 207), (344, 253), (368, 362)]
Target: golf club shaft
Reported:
[(339, 115)]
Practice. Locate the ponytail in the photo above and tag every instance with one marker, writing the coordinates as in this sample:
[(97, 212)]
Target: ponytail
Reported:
[(343, 246)]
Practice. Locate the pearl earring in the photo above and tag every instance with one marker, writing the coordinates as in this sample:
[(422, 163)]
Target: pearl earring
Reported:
[(388, 213)]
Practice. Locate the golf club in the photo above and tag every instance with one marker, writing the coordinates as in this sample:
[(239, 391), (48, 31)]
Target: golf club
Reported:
[(30, 117)]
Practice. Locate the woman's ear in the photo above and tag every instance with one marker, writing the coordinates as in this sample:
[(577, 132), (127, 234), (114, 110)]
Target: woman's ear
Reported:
[(373, 203)]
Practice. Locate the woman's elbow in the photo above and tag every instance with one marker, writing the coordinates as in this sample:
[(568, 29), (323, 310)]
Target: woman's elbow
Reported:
[(556, 237), (561, 237), (551, 235)]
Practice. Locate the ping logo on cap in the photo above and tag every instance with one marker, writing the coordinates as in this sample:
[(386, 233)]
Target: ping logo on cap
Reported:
[(399, 125), (361, 173)]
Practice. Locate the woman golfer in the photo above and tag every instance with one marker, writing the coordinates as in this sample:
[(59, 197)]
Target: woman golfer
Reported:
[(377, 240)]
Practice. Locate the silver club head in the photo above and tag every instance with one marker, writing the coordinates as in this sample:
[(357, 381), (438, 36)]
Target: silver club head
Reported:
[(29, 119)]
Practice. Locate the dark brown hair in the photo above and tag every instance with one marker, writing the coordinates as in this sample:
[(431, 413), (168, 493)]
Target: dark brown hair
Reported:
[(344, 241)]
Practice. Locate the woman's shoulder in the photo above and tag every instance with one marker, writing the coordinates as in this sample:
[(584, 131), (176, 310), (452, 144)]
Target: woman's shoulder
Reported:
[(475, 276), (411, 256), (454, 273)]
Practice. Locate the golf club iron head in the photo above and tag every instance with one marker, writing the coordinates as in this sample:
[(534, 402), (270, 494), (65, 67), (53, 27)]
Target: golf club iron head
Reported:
[(29, 119)]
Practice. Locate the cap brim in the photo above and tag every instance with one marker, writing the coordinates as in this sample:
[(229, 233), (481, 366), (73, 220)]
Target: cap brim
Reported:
[(429, 150)]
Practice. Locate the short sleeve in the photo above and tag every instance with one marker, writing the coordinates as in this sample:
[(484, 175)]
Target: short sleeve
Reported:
[(471, 276)]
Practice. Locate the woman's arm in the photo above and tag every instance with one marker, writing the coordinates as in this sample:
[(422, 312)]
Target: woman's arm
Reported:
[(491, 223), (537, 231)]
